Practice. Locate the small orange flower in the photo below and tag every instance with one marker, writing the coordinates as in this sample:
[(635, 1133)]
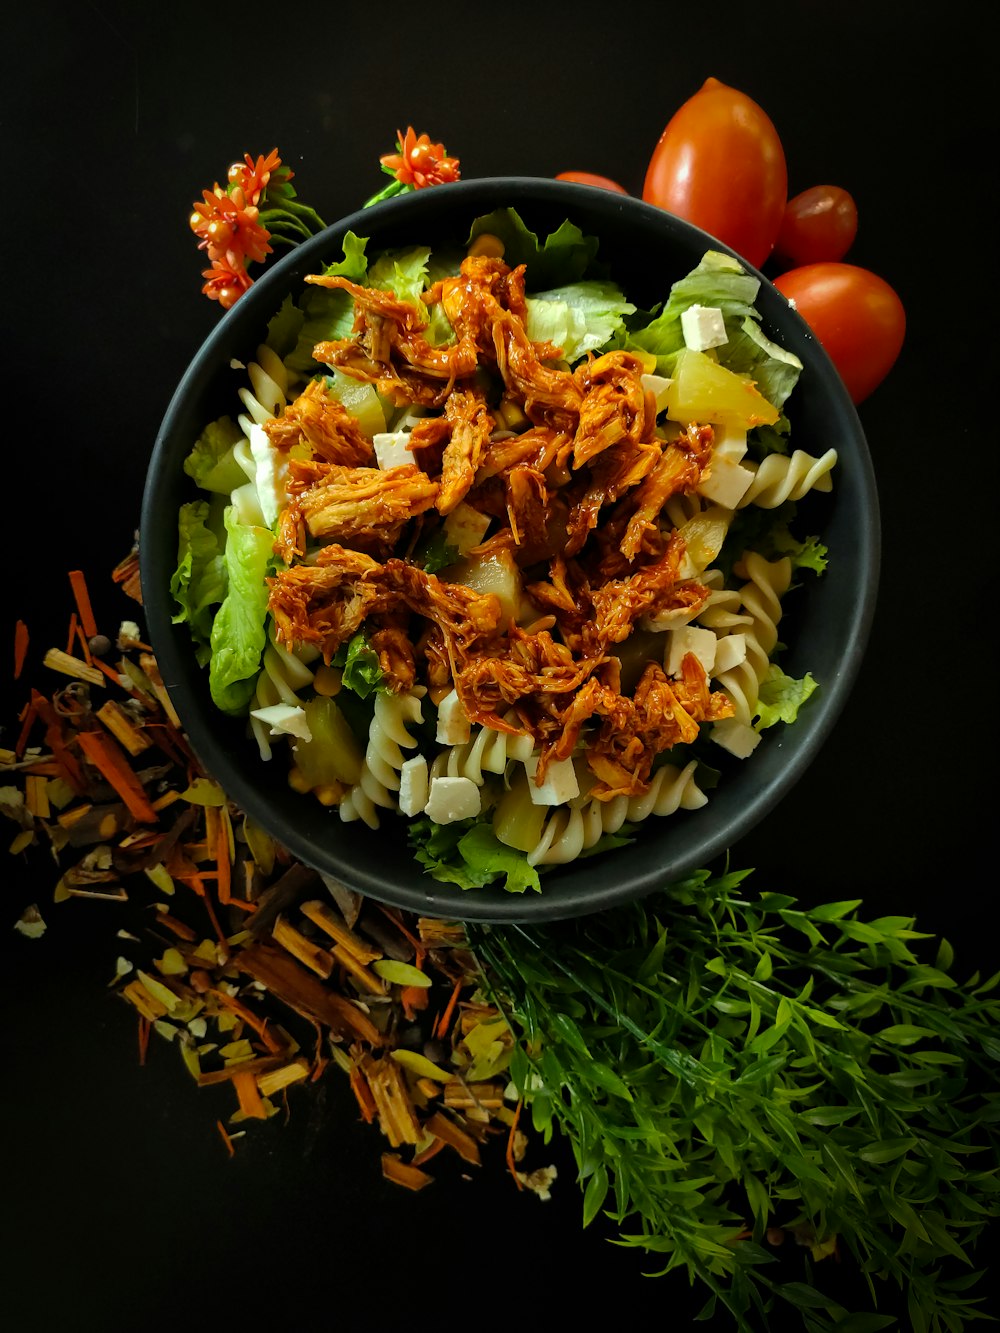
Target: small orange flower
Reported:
[(227, 222), (253, 177), (419, 162), (226, 281)]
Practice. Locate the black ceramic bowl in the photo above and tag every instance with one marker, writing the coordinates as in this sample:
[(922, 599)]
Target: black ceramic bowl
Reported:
[(646, 250)]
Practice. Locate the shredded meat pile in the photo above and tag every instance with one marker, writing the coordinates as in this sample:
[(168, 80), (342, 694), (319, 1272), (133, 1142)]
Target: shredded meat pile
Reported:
[(574, 501)]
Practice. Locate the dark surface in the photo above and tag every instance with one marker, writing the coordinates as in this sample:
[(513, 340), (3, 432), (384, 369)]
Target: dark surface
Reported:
[(831, 619), (122, 1208)]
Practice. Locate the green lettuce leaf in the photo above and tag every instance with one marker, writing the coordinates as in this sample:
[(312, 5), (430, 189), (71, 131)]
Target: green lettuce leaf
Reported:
[(401, 271), (210, 463), (198, 584), (781, 697), (563, 257), (580, 317), (468, 853), (750, 352), (360, 666), (239, 633), (283, 328)]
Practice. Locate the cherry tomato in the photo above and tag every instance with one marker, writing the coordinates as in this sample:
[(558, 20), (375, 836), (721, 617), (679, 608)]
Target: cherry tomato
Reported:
[(855, 314), (720, 164), (587, 178), (819, 224)]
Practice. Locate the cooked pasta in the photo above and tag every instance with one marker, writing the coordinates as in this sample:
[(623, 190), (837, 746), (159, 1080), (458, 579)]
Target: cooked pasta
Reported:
[(760, 598), (486, 752), (388, 734), (283, 677), (782, 477), (267, 395)]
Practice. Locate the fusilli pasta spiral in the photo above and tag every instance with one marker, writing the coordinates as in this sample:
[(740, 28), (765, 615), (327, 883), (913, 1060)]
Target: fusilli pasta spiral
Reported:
[(388, 735), (282, 675), (760, 598), (487, 751), (267, 395), (782, 477)]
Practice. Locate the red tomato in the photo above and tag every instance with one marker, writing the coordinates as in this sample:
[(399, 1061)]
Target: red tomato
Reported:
[(855, 314), (819, 224), (720, 164), (587, 178)]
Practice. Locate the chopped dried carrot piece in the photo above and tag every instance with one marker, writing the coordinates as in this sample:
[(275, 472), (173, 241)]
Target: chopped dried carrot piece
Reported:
[(84, 643), (259, 1025), (444, 1022), (251, 1102), (109, 671), (145, 1027), (20, 647), (28, 720), (55, 739), (107, 757), (396, 920), (509, 1155), (226, 1138), (82, 598), (71, 633), (413, 998)]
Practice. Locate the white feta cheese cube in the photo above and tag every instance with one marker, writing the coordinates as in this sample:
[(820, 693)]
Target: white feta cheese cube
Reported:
[(658, 386), (726, 482), (729, 441), (736, 737), (413, 785), (690, 639), (703, 327), (453, 727), (560, 783), (730, 651), (390, 449), (287, 718), (452, 799)]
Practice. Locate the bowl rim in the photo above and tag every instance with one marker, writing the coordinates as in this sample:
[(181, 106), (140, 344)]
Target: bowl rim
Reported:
[(182, 677)]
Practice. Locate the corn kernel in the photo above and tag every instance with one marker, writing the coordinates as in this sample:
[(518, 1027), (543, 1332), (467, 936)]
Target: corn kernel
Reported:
[(327, 681), (330, 793), (487, 245)]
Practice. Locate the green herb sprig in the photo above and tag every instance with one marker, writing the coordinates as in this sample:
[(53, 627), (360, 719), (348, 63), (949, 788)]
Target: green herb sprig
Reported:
[(731, 1067)]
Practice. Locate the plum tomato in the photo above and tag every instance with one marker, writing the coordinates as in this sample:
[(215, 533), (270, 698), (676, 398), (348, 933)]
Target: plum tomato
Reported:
[(720, 164), (819, 224), (855, 314), (588, 178)]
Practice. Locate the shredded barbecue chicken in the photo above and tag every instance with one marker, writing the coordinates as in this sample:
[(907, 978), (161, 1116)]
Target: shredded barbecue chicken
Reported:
[(574, 491)]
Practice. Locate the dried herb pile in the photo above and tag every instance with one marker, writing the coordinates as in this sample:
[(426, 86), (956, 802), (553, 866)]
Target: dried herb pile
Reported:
[(752, 1088), (262, 974)]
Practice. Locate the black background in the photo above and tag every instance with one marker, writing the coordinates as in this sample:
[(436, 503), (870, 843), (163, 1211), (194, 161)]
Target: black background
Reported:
[(121, 1205)]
